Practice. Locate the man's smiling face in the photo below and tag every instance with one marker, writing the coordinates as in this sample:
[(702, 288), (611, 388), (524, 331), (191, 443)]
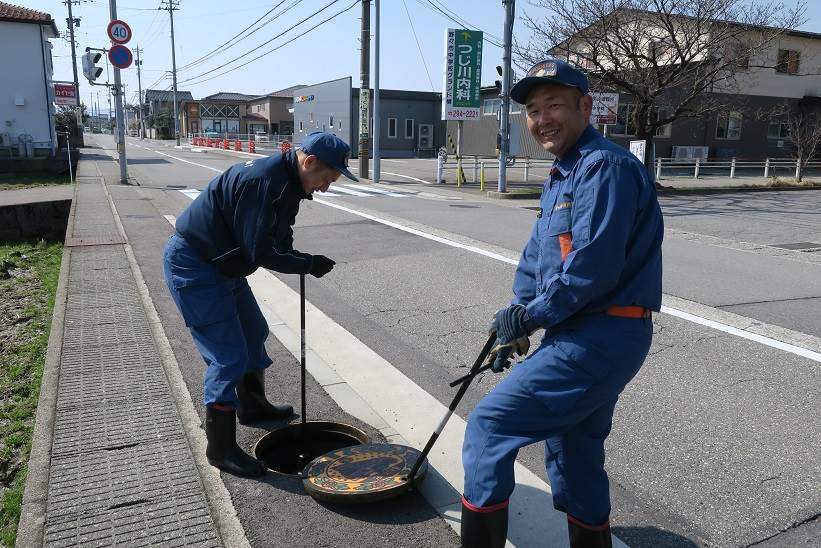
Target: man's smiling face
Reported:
[(556, 116)]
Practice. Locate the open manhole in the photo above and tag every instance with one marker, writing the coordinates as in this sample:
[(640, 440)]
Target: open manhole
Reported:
[(287, 450)]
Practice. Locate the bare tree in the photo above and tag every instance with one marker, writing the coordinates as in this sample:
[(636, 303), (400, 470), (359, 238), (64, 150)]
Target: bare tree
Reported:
[(677, 54), (800, 124)]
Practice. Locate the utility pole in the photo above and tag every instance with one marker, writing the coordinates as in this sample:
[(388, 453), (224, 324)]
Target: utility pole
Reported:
[(118, 105), (140, 128), (364, 88), (171, 6), (510, 9), (376, 119), (70, 21)]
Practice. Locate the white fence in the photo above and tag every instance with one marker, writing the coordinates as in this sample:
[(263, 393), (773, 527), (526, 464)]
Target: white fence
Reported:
[(732, 167), (665, 167)]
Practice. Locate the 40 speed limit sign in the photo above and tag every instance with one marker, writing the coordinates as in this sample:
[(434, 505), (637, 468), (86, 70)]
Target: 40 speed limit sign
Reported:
[(119, 31)]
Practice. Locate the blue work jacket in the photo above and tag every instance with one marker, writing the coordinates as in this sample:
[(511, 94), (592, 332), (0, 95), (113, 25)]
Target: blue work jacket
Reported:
[(597, 239), (243, 219)]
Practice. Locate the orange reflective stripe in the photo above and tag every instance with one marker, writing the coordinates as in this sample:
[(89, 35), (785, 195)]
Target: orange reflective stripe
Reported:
[(628, 311), (565, 244)]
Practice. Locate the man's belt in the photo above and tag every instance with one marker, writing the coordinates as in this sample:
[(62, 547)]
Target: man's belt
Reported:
[(629, 311)]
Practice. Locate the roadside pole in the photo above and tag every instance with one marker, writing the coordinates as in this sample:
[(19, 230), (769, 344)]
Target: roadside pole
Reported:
[(510, 8), (118, 105), (376, 120), (364, 88)]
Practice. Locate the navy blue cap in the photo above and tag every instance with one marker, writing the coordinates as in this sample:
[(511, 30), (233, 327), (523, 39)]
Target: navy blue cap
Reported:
[(549, 71), (329, 148)]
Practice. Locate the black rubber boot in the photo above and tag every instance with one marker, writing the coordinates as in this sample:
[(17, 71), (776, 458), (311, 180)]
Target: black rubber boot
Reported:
[(588, 536), (222, 450), (484, 527), (253, 406)]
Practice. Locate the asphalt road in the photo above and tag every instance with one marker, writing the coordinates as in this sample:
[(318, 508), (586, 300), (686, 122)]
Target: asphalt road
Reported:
[(716, 440)]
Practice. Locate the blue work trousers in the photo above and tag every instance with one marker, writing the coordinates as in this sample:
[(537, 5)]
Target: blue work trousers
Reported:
[(563, 394), (225, 321)]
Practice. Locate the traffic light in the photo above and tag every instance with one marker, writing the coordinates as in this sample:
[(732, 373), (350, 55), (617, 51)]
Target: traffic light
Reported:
[(90, 68)]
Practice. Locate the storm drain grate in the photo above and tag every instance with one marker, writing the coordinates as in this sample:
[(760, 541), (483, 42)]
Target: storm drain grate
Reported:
[(799, 246)]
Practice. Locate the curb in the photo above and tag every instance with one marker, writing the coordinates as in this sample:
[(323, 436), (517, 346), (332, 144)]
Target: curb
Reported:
[(30, 528)]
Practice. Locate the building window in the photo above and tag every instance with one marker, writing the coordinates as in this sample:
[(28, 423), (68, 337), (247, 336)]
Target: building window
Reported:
[(391, 128), (624, 121), (777, 130), (728, 126), (331, 121), (491, 106), (408, 128), (339, 125), (788, 60), (661, 114), (515, 108)]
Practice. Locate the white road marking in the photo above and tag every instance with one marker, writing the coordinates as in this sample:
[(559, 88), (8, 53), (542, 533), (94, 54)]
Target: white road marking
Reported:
[(373, 189), (343, 190), (408, 177), (761, 339)]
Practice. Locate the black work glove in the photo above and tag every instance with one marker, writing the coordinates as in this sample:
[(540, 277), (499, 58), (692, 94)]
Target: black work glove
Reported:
[(320, 265), (512, 326)]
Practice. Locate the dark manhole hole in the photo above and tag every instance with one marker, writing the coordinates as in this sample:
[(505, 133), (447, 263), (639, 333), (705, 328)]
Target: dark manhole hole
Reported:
[(464, 206), (287, 450), (798, 246)]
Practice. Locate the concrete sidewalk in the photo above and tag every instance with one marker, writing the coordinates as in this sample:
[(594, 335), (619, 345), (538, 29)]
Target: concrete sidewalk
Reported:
[(112, 461)]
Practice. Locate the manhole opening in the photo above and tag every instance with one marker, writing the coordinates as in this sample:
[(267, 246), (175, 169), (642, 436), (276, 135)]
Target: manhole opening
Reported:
[(289, 449)]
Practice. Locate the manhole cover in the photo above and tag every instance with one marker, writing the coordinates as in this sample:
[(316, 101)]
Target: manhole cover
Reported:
[(798, 246)]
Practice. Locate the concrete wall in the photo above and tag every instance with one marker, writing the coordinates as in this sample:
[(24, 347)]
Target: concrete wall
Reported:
[(26, 67), (46, 220), (766, 82)]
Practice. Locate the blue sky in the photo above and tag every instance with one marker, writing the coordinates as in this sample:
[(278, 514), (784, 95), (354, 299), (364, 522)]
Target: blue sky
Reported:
[(328, 52)]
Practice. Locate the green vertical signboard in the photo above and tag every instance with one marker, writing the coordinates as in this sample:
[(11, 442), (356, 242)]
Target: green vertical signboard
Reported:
[(463, 74)]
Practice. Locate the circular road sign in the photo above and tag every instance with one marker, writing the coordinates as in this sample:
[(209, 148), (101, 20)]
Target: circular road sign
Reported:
[(120, 56), (119, 32)]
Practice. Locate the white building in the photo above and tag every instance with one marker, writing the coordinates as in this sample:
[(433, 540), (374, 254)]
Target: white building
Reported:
[(26, 92)]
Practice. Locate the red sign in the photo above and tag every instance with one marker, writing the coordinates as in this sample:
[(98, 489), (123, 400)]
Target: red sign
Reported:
[(119, 32), (65, 94)]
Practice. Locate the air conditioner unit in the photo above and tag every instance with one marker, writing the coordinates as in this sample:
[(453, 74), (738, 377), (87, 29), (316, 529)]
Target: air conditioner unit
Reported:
[(425, 137)]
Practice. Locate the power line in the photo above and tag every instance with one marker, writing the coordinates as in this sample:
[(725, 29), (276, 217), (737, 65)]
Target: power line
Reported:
[(413, 30), (491, 39), (329, 4), (222, 47), (355, 2)]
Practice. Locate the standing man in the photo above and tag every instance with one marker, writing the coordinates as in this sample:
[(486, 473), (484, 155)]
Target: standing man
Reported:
[(590, 276), (240, 222)]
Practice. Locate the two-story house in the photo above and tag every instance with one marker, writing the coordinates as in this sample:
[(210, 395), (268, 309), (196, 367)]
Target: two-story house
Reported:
[(271, 113), (26, 91), (160, 119)]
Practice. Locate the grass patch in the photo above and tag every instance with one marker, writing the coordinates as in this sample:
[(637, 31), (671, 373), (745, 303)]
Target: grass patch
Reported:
[(17, 181), (28, 282)]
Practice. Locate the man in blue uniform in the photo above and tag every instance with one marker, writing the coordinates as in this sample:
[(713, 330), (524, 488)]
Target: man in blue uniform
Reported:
[(240, 222), (590, 276)]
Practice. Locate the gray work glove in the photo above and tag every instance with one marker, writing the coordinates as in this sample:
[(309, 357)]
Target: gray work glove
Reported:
[(512, 326)]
